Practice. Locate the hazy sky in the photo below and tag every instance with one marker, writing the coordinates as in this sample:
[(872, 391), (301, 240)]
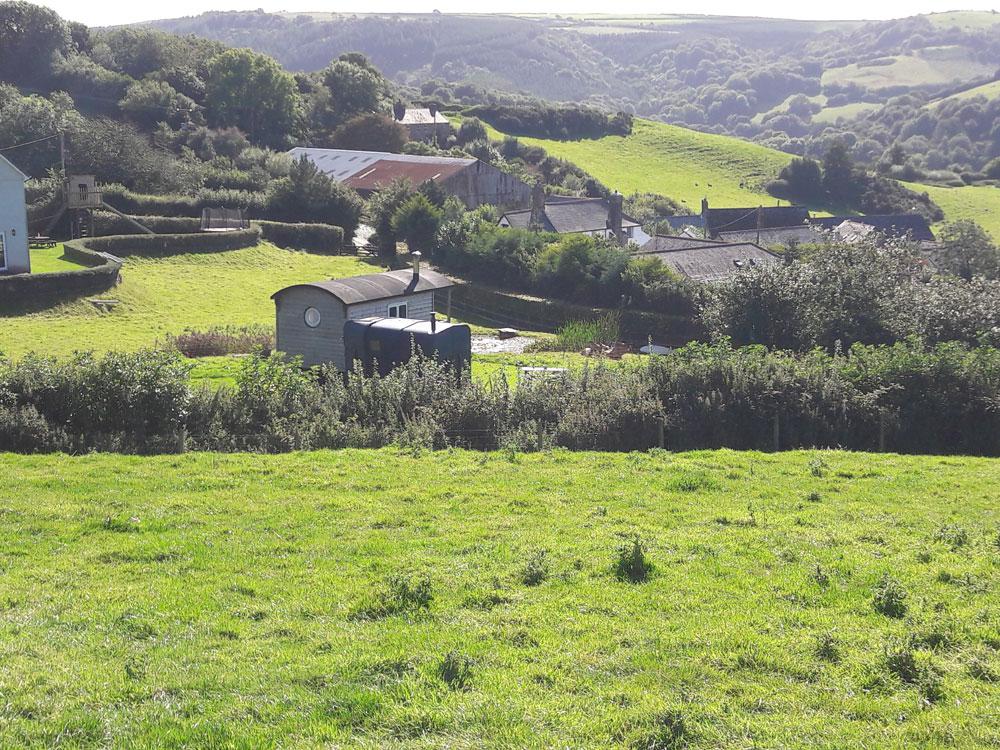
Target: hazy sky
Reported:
[(99, 13)]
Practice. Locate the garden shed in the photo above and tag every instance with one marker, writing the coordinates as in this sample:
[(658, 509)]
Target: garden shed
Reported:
[(310, 318)]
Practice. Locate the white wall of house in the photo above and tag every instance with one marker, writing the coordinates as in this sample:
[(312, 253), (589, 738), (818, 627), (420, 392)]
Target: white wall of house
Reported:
[(14, 257)]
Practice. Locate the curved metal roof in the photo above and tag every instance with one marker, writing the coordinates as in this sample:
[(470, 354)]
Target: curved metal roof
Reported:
[(375, 286)]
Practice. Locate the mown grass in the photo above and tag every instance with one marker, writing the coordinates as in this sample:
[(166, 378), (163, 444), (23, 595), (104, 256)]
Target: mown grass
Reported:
[(978, 203), (161, 296), (381, 598), (683, 164), (51, 260)]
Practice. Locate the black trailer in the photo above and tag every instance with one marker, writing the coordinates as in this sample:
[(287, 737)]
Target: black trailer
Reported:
[(381, 344)]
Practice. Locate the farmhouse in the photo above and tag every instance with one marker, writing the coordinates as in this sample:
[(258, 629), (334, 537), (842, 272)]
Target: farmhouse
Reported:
[(600, 217), (424, 125), (310, 318), (14, 256), (709, 261), (473, 182)]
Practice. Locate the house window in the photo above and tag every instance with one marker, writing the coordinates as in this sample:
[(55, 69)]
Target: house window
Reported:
[(397, 311), (312, 317), (3, 252)]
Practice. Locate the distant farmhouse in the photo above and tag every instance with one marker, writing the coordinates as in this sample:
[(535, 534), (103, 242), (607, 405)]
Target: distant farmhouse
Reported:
[(706, 261), (14, 256), (310, 317), (598, 217), (474, 182), (424, 125), (892, 226)]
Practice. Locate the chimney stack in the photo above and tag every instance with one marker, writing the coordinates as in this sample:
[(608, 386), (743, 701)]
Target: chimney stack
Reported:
[(416, 256), (615, 217), (537, 220), (434, 322)]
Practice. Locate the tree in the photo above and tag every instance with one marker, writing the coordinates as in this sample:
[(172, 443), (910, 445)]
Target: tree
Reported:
[(309, 195), (804, 178), (471, 129), (255, 94), (148, 102), (417, 221), (370, 132), (840, 179), (30, 36), (965, 250), (382, 208), (351, 87)]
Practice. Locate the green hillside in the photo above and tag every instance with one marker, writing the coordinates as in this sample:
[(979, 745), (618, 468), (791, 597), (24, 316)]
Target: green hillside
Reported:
[(683, 164), (365, 599), (965, 19), (161, 296), (978, 203), (987, 90), (928, 66)]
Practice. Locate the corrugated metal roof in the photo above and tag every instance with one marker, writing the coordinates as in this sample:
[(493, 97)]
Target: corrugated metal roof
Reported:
[(422, 117), (571, 216), (339, 164), (709, 263), (384, 171), (375, 286)]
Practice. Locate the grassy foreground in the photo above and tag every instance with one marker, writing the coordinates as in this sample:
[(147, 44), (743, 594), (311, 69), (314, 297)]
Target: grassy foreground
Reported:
[(238, 601)]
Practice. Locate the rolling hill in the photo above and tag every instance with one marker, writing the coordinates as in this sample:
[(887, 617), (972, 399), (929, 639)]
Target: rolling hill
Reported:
[(987, 90), (978, 203)]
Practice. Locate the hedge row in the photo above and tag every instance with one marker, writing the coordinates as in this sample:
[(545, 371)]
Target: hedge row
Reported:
[(107, 223), (254, 203), (322, 238), (26, 292), (536, 314), (172, 244)]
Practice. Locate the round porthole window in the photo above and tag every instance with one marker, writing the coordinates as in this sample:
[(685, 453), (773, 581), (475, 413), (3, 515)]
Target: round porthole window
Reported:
[(312, 317)]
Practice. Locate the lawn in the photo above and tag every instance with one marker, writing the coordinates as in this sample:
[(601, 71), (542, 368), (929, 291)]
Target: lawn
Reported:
[(51, 260), (161, 296), (243, 601), (683, 164), (980, 203)]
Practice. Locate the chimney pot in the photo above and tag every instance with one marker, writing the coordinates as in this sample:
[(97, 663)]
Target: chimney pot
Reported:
[(416, 263)]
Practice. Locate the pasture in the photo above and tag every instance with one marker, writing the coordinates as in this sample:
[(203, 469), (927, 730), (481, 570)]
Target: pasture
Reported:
[(978, 203), (375, 598), (926, 67)]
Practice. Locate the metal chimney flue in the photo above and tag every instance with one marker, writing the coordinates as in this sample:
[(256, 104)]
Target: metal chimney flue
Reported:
[(416, 256)]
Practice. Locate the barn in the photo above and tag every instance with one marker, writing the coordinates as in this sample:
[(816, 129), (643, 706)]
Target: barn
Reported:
[(474, 182), (310, 318), (14, 256)]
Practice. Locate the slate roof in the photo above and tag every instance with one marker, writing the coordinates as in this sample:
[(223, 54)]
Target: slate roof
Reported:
[(803, 234), (375, 286), (714, 262), (570, 216), (679, 222), (891, 225), (422, 117), (340, 164), (662, 243), (741, 219)]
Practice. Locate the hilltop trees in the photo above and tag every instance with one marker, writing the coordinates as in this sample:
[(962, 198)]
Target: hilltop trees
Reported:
[(30, 37), (309, 195), (254, 93), (967, 251), (371, 132), (417, 221)]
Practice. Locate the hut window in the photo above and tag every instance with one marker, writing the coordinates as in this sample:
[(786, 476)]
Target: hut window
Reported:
[(312, 317), (397, 311)]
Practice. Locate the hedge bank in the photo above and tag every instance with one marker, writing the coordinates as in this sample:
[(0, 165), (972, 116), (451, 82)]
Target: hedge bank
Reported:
[(26, 291)]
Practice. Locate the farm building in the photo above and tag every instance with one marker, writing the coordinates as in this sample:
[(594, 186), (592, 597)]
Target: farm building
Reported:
[(310, 318), (473, 182), (896, 226), (14, 257), (709, 261), (600, 217), (424, 125), (716, 220)]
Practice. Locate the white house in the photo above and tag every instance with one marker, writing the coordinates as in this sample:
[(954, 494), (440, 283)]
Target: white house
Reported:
[(14, 256)]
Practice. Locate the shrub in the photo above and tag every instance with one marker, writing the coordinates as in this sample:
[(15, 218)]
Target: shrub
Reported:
[(173, 244), (106, 223), (321, 238), (579, 334), (220, 341), (889, 598), (632, 565)]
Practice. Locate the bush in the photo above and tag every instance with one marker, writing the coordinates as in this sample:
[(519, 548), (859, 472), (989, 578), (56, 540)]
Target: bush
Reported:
[(632, 564), (220, 341), (579, 334), (174, 244), (126, 201), (320, 238), (107, 223)]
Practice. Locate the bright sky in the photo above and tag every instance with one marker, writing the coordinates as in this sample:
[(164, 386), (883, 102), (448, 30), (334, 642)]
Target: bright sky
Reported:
[(100, 13)]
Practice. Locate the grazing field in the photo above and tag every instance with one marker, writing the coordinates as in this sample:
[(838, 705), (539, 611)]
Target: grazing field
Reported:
[(965, 19), (929, 66), (161, 296), (846, 111), (978, 203), (683, 164), (454, 599), (987, 90)]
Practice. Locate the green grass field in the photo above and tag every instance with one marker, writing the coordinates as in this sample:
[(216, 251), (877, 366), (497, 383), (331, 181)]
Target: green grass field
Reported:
[(847, 111), (238, 601), (978, 203), (51, 260), (683, 164), (929, 66), (987, 90), (965, 19), (161, 296)]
